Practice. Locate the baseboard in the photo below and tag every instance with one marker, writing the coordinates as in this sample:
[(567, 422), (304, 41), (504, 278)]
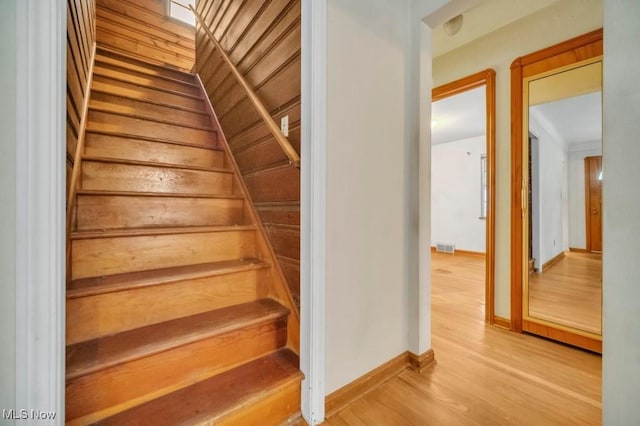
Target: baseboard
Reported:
[(420, 362), (578, 250), (502, 322), (458, 251), (549, 263), (349, 393)]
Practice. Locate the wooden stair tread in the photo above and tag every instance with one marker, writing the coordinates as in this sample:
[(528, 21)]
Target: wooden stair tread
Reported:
[(119, 282), (110, 108), (112, 76), (149, 101), (122, 66), (154, 164), (100, 131), (103, 52), (98, 354), (155, 194), (132, 232), (214, 398)]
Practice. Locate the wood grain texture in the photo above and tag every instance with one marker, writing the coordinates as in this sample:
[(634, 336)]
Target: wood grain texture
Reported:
[(94, 257), (484, 374), (263, 39), (216, 401), (108, 375), (142, 30)]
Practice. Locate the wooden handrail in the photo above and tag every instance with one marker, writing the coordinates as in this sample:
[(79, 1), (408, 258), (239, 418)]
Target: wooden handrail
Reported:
[(294, 158)]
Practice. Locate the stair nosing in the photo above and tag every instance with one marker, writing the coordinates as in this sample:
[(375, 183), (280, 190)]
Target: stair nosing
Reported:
[(274, 313), (97, 290), (160, 230), (151, 101), (98, 192), (160, 89), (152, 139), (102, 63), (104, 50), (153, 164), (104, 110)]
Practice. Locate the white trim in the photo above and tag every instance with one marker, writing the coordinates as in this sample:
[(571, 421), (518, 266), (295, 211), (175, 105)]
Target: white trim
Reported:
[(313, 210), (40, 214)]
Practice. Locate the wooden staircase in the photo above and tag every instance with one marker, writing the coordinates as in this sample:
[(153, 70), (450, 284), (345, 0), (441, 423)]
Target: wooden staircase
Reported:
[(176, 310)]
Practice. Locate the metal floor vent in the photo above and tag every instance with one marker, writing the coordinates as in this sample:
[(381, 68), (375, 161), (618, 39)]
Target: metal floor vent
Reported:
[(446, 247)]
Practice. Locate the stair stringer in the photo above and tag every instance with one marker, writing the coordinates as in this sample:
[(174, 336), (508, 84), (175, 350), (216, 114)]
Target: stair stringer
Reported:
[(278, 290)]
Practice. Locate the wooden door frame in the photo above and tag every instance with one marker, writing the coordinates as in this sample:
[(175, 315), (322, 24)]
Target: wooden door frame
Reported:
[(587, 203), (575, 50), (485, 78)]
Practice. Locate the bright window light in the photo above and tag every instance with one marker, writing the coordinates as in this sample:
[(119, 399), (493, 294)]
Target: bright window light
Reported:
[(179, 9)]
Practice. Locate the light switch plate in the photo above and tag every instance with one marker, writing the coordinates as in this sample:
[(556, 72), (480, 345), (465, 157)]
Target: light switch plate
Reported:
[(284, 125)]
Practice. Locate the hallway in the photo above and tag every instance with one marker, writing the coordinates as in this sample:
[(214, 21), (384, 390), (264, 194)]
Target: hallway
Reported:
[(483, 375)]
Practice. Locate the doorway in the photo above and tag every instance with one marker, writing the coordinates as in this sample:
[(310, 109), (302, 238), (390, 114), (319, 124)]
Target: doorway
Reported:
[(463, 173)]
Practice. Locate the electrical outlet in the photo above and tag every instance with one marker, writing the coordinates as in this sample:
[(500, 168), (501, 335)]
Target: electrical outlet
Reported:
[(284, 125)]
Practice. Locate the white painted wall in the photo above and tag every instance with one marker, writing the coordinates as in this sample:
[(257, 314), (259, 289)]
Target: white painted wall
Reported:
[(366, 301), (562, 20), (7, 212), (551, 184), (455, 194), (577, 221), (621, 233)]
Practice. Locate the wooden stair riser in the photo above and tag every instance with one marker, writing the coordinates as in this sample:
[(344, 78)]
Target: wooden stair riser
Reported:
[(123, 148), (122, 124), (127, 63), (96, 212), (107, 70), (117, 87), (107, 392), (107, 176), (120, 104), (106, 256), (110, 313), (274, 410)]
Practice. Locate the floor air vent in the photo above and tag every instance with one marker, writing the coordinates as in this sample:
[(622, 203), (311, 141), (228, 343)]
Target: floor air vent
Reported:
[(445, 247)]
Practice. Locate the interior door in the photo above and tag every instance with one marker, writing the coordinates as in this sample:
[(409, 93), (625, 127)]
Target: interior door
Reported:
[(593, 198)]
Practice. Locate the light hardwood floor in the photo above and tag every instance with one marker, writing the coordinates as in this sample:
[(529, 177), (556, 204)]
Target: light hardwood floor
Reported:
[(484, 375), (570, 292)]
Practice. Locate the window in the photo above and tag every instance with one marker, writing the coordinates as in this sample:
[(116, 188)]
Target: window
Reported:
[(179, 9), (483, 187)]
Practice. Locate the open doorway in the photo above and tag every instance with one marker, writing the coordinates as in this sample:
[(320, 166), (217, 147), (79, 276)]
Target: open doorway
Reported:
[(463, 182)]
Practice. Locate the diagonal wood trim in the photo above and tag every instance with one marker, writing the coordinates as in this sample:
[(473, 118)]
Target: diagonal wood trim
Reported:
[(294, 158), (488, 78), (281, 291), (353, 391), (77, 158)]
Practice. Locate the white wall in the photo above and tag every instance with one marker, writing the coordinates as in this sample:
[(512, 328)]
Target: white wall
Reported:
[(577, 221), (455, 194), (366, 301), (621, 233), (562, 20), (7, 212), (552, 165)]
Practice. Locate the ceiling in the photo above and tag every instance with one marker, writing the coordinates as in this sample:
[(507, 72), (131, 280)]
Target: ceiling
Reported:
[(487, 16), (458, 117)]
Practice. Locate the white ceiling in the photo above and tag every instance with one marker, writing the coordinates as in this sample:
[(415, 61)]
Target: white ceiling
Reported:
[(575, 120), (458, 117), (484, 18)]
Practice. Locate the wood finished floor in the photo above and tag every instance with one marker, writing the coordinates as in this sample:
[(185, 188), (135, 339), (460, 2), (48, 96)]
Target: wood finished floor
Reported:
[(570, 292), (484, 375)]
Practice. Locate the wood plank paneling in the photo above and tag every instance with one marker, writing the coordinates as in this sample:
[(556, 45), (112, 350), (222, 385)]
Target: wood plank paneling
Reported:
[(263, 39), (140, 28), (80, 41)]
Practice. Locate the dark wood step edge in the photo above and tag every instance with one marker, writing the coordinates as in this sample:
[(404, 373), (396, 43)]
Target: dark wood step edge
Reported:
[(146, 86), (103, 62), (152, 139), (143, 232), (104, 110), (152, 102), (154, 164), (164, 343), (129, 281), (106, 51), (98, 192)]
